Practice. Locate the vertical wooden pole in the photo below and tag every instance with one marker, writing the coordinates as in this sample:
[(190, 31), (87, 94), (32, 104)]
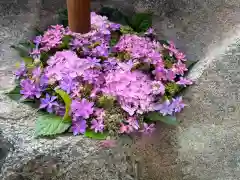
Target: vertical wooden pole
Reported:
[(79, 15)]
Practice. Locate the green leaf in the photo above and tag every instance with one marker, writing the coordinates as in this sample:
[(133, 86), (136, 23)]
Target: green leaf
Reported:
[(49, 124), (113, 14), (23, 51), (113, 42), (27, 44), (44, 57), (67, 100), (65, 42), (15, 93), (155, 116), (140, 22), (28, 60), (37, 31), (190, 63), (63, 17), (126, 30), (93, 135), (164, 42)]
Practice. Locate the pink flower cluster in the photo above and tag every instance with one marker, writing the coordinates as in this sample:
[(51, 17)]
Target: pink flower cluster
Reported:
[(88, 68)]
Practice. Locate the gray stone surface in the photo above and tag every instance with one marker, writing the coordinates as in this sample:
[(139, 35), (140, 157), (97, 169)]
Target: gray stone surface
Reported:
[(22, 157), (195, 25), (204, 147)]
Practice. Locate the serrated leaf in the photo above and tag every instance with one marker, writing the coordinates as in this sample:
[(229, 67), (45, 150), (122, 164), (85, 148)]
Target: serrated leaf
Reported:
[(49, 124), (155, 116), (67, 100), (93, 135)]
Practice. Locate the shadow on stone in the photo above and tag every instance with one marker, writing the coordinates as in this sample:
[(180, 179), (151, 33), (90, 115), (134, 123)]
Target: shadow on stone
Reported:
[(158, 155), (5, 147)]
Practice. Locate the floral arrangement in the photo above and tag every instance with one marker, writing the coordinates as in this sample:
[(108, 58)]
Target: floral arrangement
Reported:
[(107, 82)]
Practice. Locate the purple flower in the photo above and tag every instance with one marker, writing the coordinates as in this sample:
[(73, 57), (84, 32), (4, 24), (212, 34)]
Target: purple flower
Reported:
[(43, 81), (158, 87), (29, 89), (97, 125), (60, 110), (68, 84), (165, 108), (76, 93), (115, 27), (48, 102), (179, 68), (37, 40), (170, 75), (184, 81), (126, 66), (99, 113), (150, 31), (37, 72), (148, 129), (177, 104), (91, 76), (100, 51), (35, 53), (82, 108), (79, 126), (94, 62), (161, 74), (132, 121), (104, 31), (21, 71), (76, 43)]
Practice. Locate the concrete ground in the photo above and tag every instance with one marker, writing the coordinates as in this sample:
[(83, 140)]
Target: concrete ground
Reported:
[(204, 147)]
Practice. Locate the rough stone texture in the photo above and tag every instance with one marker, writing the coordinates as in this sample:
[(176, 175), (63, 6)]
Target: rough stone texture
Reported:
[(205, 146), (195, 25), (22, 157)]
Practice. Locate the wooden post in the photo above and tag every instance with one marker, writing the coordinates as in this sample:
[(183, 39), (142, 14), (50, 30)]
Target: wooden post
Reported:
[(79, 15)]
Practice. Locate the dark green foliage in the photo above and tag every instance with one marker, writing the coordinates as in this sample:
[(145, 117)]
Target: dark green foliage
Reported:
[(63, 17), (155, 116), (172, 88), (65, 42), (50, 125), (138, 22), (97, 136), (113, 15)]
